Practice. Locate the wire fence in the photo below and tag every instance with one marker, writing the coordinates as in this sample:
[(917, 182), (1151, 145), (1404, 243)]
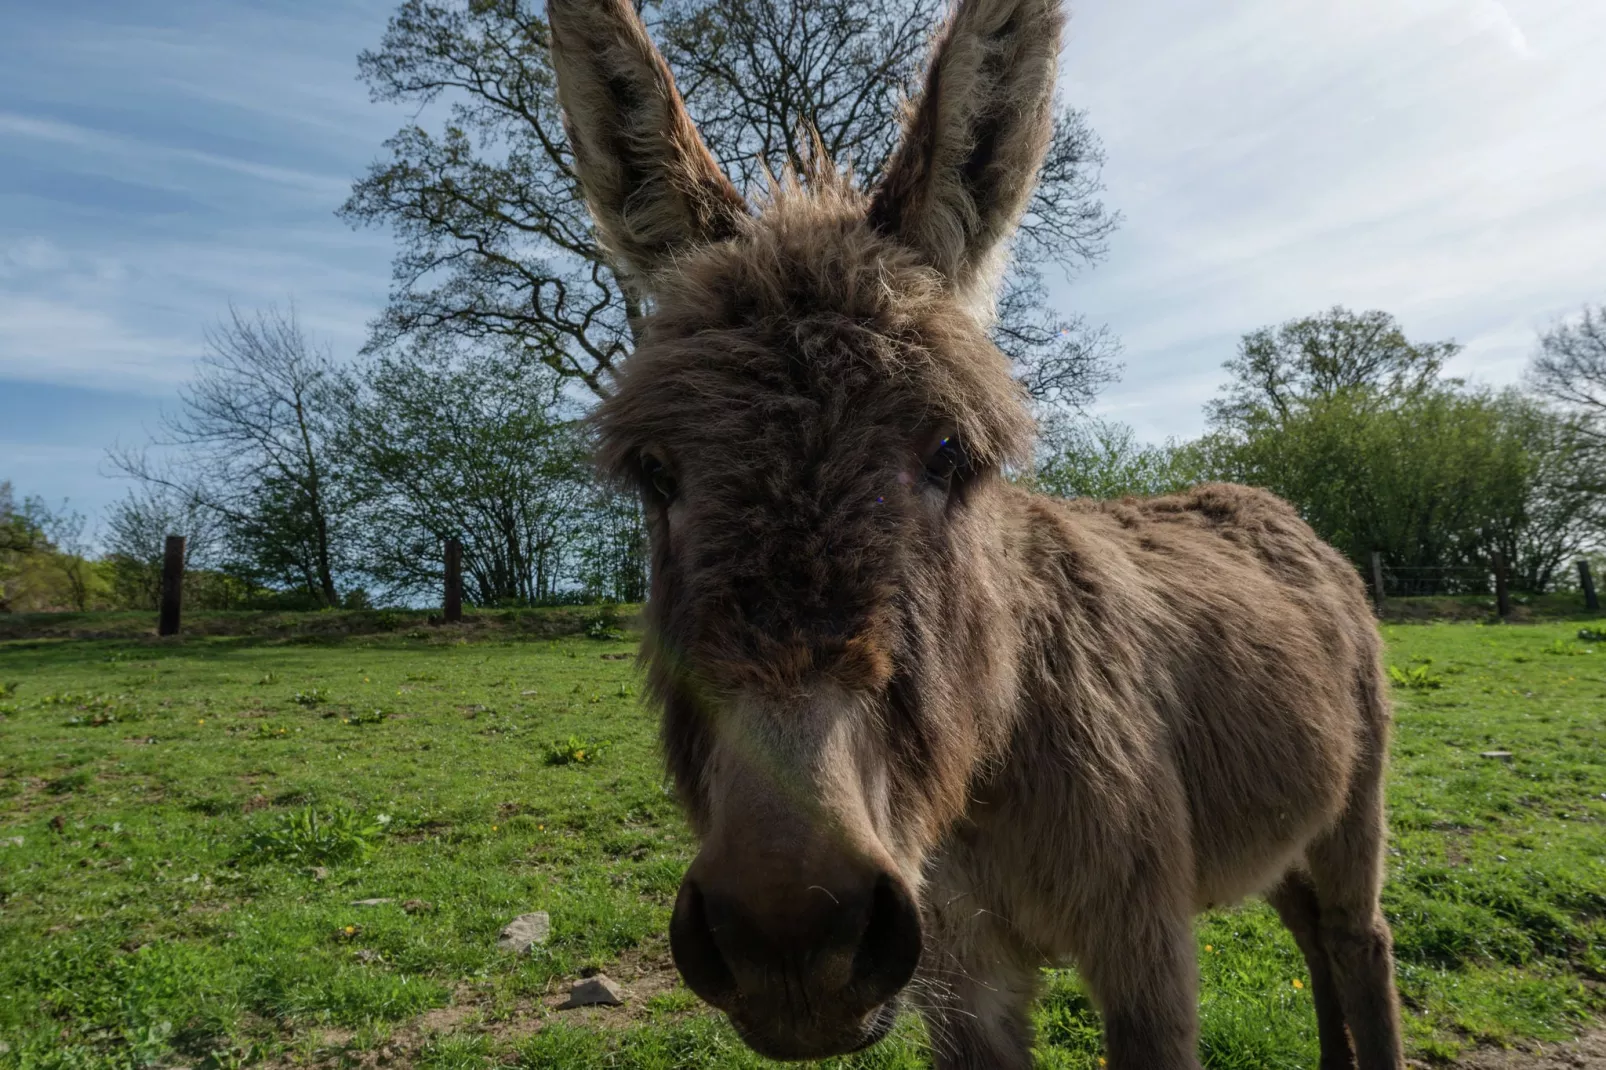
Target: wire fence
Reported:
[(1417, 581)]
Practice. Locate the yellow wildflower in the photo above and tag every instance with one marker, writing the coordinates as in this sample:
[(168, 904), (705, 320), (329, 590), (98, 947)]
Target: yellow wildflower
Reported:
[(1209, 949), (351, 930), (1298, 983)]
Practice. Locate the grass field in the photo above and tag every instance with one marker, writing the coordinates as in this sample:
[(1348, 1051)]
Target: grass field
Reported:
[(186, 828)]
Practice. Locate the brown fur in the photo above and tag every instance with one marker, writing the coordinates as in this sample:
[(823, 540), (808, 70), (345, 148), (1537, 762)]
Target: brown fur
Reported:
[(906, 712)]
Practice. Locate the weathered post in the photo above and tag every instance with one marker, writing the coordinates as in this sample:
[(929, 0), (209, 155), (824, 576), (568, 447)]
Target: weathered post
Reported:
[(1377, 581), (454, 581), (1587, 582), (172, 586), (1502, 595)]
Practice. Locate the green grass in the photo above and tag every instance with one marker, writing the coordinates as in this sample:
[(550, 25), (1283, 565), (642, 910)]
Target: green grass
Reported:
[(185, 829)]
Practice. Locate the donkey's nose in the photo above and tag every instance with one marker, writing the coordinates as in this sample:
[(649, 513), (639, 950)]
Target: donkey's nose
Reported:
[(794, 951)]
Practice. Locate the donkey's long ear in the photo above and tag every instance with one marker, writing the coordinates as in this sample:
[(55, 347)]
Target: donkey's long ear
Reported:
[(974, 139), (650, 181)]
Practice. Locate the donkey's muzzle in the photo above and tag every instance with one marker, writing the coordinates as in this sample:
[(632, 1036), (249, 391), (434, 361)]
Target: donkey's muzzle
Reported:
[(805, 970)]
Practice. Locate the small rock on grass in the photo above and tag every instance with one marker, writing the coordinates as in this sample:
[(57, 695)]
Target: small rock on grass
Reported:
[(418, 906), (524, 932), (371, 902), (1496, 755), (320, 873), (595, 991)]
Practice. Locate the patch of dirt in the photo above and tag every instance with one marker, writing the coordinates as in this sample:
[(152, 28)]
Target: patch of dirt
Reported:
[(1588, 1052), (640, 973)]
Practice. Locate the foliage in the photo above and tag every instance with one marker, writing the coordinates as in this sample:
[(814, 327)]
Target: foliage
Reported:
[(482, 447), (1091, 458), (1281, 371), (1415, 678), (134, 541), (496, 244), (44, 557), (1345, 418), (604, 623), (575, 750), (1494, 888), (310, 836)]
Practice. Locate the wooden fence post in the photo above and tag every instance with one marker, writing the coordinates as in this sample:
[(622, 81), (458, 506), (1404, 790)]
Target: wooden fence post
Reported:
[(1377, 581), (454, 580), (1502, 595), (1587, 582), (172, 586)]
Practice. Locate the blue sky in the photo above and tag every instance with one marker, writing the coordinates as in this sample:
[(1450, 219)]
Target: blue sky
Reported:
[(1442, 159)]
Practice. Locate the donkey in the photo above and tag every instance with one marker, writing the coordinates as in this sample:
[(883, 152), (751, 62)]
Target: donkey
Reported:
[(932, 731)]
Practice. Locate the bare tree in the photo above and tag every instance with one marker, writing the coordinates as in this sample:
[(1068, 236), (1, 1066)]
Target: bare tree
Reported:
[(252, 443), (1570, 369), (496, 243), (135, 536)]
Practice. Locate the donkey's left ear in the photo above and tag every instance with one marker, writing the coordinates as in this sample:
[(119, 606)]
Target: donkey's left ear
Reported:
[(652, 185), (974, 139)]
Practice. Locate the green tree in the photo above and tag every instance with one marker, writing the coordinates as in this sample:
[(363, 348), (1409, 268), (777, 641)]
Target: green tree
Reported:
[(1435, 478), (478, 446), (1090, 458), (1280, 371)]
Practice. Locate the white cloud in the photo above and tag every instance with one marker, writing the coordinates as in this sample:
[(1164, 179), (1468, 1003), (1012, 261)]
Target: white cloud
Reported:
[(1429, 157)]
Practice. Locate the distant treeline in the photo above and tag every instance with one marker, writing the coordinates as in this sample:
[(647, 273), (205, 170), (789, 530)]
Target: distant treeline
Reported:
[(1358, 426)]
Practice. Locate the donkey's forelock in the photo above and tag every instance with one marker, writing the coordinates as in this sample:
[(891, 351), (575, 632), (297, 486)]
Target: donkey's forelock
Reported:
[(810, 309)]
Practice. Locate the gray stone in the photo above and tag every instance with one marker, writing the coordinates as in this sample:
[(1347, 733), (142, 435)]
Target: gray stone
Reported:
[(596, 991), (371, 902), (1496, 755), (524, 932)]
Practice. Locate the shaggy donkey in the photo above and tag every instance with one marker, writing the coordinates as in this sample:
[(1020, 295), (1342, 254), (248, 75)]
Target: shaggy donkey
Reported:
[(934, 731)]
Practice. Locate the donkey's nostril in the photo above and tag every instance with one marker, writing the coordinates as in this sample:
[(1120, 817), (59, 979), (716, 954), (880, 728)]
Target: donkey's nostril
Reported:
[(889, 950), (697, 955)]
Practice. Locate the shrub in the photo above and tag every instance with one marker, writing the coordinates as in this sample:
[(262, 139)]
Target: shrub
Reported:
[(603, 623)]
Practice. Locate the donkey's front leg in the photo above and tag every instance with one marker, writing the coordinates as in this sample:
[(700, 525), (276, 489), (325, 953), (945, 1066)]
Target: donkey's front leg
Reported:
[(978, 1013), (1142, 974)]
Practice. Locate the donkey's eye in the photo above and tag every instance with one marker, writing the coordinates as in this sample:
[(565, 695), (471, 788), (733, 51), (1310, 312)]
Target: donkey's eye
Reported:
[(658, 477), (946, 459)]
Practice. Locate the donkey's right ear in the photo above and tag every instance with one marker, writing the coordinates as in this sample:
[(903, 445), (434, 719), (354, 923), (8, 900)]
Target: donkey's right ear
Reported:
[(652, 185)]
